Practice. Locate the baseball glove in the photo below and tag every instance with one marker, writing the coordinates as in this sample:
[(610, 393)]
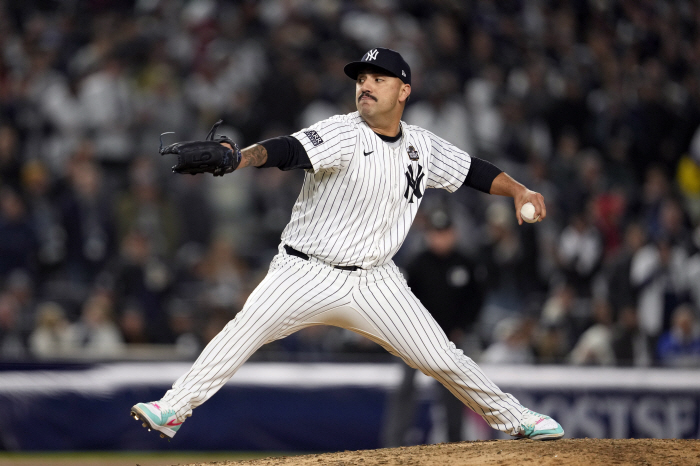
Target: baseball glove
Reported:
[(207, 156)]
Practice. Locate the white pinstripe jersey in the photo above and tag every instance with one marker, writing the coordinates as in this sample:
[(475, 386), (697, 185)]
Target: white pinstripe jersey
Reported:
[(358, 202)]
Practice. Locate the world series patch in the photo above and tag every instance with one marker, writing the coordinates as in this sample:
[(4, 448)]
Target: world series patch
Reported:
[(314, 137)]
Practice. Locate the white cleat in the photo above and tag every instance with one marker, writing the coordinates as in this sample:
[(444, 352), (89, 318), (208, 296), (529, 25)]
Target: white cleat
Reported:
[(157, 415), (536, 426)]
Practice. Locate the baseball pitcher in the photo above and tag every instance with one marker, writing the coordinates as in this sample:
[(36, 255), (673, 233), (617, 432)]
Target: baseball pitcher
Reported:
[(366, 173)]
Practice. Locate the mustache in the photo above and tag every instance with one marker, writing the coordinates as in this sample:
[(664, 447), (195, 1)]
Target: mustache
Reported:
[(367, 95)]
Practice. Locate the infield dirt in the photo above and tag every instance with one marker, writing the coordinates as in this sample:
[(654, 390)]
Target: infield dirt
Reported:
[(589, 452)]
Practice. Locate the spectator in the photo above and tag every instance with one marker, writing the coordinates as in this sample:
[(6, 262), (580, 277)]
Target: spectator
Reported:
[(271, 206), (20, 286), (658, 273), (518, 134), (655, 190), (565, 176), (96, 335), (51, 337), (562, 321), (87, 219), (672, 223), (223, 272), (680, 346), (60, 105), (511, 343), (10, 165), (197, 217), (503, 256), (609, 216), (17, 239), (159, 105), (693, 270), (620, 292), (133, 324), (444, 113), (182, 323), (595, 346), (688, 179), (205, 88), (12, 338), (45, 218), (630, 344), (481, 98), (148, 208), (580, 252), (143, 280), (107, 103)]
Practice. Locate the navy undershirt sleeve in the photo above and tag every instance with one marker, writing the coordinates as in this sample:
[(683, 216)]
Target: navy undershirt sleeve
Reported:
[(285, 153), (481, 175)]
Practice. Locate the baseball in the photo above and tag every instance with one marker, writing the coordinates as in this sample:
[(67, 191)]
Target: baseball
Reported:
[(527, 212)]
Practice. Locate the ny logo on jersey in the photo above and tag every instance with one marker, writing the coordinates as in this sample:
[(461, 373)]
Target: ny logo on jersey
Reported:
[(372, 55), (413, 183)]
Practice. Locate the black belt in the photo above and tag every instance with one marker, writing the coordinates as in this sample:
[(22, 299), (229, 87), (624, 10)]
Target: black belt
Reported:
[(293, 252)]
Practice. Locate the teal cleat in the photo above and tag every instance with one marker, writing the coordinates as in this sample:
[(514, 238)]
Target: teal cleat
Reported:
[(157, 415), (536, 426)]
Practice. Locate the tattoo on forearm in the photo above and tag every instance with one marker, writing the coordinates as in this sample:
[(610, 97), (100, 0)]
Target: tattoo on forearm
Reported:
[(253, 156)]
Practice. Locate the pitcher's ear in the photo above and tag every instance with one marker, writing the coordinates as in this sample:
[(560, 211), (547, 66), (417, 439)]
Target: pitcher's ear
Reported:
[(405, 93)]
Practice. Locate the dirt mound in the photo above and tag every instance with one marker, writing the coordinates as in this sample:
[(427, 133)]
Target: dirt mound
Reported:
[(587, 452)]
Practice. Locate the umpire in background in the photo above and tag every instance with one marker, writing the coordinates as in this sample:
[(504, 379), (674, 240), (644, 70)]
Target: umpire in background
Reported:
[(444, 280)]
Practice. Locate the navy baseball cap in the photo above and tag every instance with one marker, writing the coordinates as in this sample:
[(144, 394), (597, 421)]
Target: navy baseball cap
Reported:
[(388, 60)]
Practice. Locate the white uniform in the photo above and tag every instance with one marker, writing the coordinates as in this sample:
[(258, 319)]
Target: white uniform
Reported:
[(355, 209)]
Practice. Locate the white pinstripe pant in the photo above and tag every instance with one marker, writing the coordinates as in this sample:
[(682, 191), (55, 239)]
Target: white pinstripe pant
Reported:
[(376, 303)]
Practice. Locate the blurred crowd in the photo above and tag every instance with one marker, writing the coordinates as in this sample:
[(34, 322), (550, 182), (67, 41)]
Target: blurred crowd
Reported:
[(593, 103)]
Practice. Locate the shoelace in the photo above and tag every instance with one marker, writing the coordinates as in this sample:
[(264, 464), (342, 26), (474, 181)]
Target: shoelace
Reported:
[(165, 414), (537, 417)]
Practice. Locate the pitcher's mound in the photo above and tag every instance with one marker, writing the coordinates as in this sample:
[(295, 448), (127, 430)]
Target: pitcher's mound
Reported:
[(588, 452)]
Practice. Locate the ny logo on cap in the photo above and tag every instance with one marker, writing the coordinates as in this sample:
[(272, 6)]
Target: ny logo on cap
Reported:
[(372, 55)]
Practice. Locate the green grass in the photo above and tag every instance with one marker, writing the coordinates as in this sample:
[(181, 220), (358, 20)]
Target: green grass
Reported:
[(130, 458)]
